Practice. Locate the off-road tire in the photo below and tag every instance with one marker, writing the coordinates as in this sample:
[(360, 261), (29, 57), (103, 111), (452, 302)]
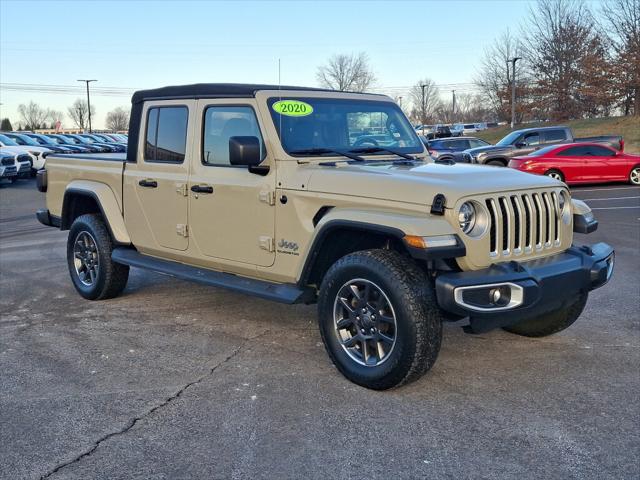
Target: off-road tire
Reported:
[(418, 317), (552, 322), (496, 163), (111, 277)]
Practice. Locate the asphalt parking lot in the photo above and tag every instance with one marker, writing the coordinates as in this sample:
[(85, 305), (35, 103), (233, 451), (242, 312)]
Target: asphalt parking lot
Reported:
[(175, 380)]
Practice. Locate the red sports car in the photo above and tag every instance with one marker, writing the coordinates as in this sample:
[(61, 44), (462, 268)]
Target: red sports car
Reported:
[(581, 163)]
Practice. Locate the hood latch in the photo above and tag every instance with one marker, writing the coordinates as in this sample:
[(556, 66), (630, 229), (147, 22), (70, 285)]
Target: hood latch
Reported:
[(438, 204)]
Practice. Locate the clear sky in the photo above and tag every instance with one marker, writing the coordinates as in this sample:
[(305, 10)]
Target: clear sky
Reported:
[(129, 45)]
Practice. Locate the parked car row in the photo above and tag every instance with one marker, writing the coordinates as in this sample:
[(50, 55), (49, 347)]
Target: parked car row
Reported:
[(431, 132), (34, 147), (551, 151)]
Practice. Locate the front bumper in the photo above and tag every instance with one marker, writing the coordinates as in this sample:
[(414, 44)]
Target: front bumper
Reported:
[(536, 286), (8, 172)]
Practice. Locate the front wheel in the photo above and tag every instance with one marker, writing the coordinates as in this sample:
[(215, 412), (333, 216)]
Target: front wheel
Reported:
[(89, 247), (496, 163), (634, 175), (552, 322), (555, 174), (379, 319)]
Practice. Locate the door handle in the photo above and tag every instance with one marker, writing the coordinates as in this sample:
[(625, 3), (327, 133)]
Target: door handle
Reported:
[(202, 188), (148, 183)]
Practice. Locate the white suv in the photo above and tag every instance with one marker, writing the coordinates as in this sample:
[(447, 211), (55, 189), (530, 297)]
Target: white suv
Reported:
[(36, 153)]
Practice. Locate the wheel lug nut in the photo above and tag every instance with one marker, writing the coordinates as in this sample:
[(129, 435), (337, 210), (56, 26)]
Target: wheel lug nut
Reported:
[(358, 317)]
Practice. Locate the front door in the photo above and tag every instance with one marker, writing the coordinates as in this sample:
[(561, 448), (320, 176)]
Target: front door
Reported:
[(155, 187), (231, 209)]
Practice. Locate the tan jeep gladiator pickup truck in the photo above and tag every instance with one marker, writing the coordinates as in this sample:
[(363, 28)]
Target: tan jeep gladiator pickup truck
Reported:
[(284, 193)]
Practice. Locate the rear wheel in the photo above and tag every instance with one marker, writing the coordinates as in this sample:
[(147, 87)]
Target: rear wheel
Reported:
[(555, 174), (89, 247), (634, 175), (379, 319), (552, 322)]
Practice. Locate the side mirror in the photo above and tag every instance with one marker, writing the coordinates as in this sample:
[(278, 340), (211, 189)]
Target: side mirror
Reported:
[(520, 145), (244, 151)]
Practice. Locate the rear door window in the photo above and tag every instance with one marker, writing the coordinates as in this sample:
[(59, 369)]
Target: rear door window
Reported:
[(166, 135), (555, 136)]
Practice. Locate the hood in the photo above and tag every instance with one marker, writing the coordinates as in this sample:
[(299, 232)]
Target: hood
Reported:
[(14, 150), (419, 184), (489, 148)]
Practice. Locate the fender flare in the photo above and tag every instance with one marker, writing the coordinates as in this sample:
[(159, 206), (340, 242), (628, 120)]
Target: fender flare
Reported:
[(391, 224), (106, 200)]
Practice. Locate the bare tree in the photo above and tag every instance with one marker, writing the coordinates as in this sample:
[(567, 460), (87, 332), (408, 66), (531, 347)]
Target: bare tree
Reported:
[(494, 78), (33, 115), (425, 100), (623, 24), (118, 119), (347, 73), (558, 53), (79, 113)]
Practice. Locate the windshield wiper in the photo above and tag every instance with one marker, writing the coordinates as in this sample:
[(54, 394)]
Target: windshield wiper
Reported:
[(381, 149), (321, 151)]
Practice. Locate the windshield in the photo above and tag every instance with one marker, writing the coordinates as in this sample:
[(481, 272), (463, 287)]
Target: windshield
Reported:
[(337, 124), (7, 141), (509, 139), (42, 139), (25, 139)]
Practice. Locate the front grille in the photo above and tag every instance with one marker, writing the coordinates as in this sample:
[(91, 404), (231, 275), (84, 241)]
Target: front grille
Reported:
[(524, 223), (24, 158), (7, 161)]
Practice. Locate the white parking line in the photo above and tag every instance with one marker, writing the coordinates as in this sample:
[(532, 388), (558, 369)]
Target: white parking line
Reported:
[(577, 190), (608, 198), (613, 208)]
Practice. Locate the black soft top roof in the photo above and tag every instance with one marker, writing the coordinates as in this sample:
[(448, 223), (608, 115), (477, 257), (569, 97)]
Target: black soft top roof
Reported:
[(219, 90)]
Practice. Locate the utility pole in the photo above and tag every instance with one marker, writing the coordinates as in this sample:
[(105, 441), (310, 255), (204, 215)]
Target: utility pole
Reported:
[(88, 101), (513, 89)]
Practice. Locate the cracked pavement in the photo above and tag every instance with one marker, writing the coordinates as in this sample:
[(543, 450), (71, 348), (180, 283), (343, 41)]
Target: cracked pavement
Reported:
[(176, 380)]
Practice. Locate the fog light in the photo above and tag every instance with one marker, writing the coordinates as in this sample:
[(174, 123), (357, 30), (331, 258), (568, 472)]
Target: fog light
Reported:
[(501, 296)]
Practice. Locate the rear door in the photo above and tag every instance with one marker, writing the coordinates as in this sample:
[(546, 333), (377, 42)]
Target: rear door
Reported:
[(155, 187), (554, 136)]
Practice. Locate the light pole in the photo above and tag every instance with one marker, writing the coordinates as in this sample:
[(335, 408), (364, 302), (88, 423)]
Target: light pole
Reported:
[(513, 89), (453, 105), (424, 114), (88, 101)]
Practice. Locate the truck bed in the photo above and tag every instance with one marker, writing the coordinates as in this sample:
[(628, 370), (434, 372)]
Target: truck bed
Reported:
[(64, 170)]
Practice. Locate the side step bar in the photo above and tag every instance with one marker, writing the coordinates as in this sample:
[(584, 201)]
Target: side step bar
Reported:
[(283, 293)]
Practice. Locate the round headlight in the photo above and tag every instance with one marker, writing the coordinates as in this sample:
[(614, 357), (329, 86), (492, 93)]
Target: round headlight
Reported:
[(467, 217), (562, 200)]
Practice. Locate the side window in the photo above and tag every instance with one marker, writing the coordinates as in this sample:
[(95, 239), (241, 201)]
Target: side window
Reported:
[(220, 124), (473, 143), (573, 152), (601, 151), (553, 136), (462, 144), (166, 136), (532, 139)]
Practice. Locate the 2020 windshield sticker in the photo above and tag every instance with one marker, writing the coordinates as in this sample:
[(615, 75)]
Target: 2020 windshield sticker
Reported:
[(292, 108)]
